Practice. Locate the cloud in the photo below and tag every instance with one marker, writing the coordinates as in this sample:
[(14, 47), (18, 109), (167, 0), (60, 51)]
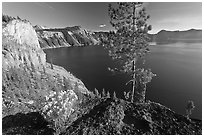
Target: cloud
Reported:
[(102, 25), (44, 5)]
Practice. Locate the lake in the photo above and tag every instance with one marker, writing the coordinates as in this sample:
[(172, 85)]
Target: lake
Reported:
[(178, 67)]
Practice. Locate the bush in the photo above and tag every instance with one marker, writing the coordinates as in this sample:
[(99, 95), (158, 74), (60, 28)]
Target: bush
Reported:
[(6, 18), (58, 107), (190, 106)]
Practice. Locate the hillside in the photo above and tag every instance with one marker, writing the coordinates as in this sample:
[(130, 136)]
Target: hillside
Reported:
[(29, 83), (64, 37)]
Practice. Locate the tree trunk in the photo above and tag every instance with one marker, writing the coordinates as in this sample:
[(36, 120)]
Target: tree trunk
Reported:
[(134, 62), (134, 81), (134, 17)]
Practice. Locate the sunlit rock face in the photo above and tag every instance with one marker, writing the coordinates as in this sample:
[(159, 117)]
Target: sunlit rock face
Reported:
[(20, 46), (64, 37), (28, 80)]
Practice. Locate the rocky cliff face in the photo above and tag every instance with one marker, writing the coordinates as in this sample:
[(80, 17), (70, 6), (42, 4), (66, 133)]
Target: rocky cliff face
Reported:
[(64, 37), (20, 46), (29, 83)]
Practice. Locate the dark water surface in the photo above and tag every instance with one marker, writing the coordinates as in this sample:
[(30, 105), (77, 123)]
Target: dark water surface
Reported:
[(178, 67)]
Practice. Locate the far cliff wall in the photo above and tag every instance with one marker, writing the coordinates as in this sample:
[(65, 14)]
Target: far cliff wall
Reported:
[(64, 37), (164, 36)]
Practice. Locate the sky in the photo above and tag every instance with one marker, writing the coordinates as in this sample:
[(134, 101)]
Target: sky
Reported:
[(94, 15)]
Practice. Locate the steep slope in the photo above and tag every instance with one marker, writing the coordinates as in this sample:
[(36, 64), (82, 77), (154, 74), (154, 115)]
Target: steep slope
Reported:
[(29, 83), (64, 37)]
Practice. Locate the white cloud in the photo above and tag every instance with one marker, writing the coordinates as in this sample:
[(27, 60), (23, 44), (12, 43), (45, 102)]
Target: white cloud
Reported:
[(44, 5), (102, 25)]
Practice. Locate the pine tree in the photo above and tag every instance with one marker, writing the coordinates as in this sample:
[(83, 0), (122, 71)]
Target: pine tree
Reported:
[(18, 18), (108, 94), (129, 42)]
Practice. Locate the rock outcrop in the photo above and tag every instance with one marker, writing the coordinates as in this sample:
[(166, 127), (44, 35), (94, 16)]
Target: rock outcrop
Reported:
[(29, 83), (64, 37), (20, 46), (119, 117)]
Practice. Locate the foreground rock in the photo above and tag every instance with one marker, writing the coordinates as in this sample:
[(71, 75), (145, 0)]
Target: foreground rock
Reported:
[(118, 117), (26, 124)]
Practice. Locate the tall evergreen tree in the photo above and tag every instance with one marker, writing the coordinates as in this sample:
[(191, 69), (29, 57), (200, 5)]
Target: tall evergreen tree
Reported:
[(129, 43)]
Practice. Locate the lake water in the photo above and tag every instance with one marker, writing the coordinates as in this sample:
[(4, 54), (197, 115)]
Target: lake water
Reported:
[(178, 67)]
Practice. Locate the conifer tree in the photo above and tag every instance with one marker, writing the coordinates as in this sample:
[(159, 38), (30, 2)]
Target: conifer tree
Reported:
[(108, 94), (97, 93), (129, 43), (103, 93)]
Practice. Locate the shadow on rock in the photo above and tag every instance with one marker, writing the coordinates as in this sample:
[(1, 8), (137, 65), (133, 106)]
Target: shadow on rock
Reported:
[(27, 124)]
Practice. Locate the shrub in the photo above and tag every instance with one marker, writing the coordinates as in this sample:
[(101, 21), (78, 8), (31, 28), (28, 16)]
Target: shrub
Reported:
[(58, 107), (190, 106)]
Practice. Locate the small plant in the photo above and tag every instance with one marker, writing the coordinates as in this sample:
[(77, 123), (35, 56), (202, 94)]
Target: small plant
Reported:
[(103, 93), (51, 63), (127, 95), (67, 83), (96, 92), (114, 95), (190, 106)]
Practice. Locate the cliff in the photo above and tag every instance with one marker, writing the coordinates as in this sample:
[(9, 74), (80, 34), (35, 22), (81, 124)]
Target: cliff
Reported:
[(164, 36), (64, 37), (29, 83)]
